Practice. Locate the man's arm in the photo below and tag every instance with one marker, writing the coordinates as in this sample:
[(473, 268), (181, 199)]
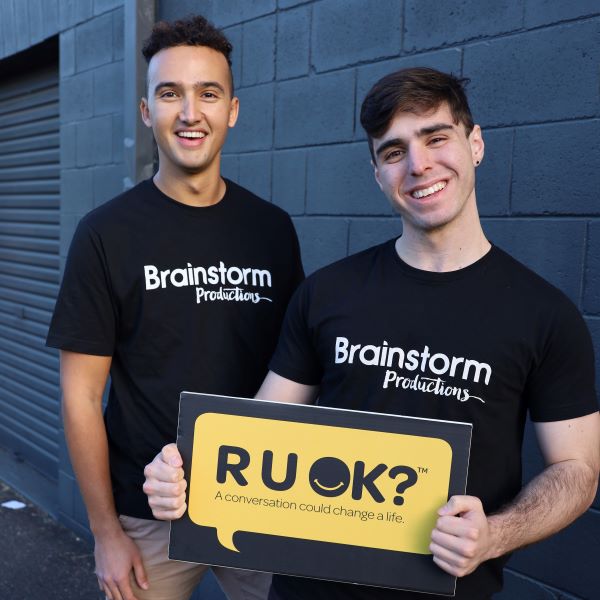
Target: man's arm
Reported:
[(165, 485), (464, 537), (83, 378)]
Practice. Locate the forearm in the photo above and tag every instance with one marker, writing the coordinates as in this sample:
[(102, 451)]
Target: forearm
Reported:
[(116, 555), (88, 449), (548, 503), (83, 378), (464, 536)]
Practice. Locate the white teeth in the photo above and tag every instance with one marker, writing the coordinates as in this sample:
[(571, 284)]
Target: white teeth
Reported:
[(191, 134), (436, 187)]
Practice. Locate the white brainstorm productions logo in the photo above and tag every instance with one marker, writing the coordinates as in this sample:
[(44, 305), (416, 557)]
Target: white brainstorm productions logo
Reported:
[(438, 364), (220, 276)]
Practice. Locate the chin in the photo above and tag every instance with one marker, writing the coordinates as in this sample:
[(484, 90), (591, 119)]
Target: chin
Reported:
[(194, 166), (434, 223)]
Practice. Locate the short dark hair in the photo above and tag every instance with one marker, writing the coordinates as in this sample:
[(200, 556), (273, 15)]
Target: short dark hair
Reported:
[(417, 90), (192, 31)]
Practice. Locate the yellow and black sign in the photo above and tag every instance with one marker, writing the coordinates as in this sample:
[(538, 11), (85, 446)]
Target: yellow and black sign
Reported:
[(317, 492)]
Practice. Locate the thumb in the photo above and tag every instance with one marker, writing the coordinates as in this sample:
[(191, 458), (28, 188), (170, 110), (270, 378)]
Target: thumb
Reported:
[(139, 572), (458, 505), (170, 455)]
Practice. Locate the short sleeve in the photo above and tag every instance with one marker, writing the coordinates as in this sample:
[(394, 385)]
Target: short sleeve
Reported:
[(84, 317), (561, 386), (295, 356)]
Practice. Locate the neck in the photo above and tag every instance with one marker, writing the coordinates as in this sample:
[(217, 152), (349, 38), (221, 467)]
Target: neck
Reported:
[(197, 189), (442, 250)]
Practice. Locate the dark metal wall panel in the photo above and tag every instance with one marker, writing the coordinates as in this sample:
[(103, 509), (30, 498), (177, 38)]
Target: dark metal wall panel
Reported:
[(29, 265)]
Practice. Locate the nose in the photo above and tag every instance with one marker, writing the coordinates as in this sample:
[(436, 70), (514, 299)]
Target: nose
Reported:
[(418, 160), (189, 111)]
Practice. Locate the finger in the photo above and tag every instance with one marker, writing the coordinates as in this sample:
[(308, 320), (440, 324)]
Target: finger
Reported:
[(447, 541), (448, 556), (112, 591), (166, 503), (458, 527), (446, 566), (452, 546), (168, 510), (169, 497), (107, 592), (104, 587), (169, 514), (170, 454), (154, 487), (140, 573), (459, 504), (125, 591), (158, 470)]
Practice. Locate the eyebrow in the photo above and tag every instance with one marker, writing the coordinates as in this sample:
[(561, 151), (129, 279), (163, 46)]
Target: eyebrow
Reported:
[(424, 131), (196, 86)]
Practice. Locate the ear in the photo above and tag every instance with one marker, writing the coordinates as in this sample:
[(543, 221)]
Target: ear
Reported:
[(234, 110), (477, 145), (376, 174), (145, 112)]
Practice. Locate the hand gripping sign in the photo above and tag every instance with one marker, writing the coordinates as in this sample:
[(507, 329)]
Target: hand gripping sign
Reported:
[(269, 480)]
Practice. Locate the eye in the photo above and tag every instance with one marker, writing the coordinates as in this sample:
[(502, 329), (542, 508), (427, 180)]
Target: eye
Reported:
[(209, 95), (436, 141), (394, 155), (167, 94)]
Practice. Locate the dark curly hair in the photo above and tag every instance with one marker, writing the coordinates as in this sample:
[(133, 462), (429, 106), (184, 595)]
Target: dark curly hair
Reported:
[(417, 90), (192, 31)]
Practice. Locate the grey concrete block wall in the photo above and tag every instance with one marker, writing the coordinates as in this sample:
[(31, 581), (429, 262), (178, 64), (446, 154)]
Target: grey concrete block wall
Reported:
[(255, 133), (258, 51), (540, 187), (91, 93), (330, 191), (314, 110), (341, 25), (293, 42), (431, 24), (536, 76), (535, 90)]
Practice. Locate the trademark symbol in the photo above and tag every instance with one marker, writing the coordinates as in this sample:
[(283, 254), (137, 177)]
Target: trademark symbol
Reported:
[(423, 469)]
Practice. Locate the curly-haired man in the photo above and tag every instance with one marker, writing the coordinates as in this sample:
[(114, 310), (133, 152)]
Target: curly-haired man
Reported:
[(179, 283)]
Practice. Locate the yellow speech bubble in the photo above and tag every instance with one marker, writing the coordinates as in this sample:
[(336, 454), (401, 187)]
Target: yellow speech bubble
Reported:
[(317, 482)]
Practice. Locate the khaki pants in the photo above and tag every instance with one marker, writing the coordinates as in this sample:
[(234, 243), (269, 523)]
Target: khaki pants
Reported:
[(175, 580)]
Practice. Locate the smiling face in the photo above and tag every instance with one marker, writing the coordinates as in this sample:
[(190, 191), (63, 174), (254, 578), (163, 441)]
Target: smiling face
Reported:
[(189, 108), (329, 477), (425, 165)]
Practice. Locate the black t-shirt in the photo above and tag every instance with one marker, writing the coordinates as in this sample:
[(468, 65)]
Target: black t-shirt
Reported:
[(484, 344), (182, 298)]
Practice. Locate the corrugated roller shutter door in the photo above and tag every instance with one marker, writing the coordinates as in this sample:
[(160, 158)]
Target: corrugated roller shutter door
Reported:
[(29, 265)]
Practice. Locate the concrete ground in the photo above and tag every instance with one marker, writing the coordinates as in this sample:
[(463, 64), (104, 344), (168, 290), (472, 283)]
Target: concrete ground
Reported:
[(41, 559)]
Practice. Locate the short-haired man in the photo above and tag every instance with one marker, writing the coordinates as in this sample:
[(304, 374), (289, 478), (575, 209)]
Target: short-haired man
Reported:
[(179, 283), (477, 337)]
